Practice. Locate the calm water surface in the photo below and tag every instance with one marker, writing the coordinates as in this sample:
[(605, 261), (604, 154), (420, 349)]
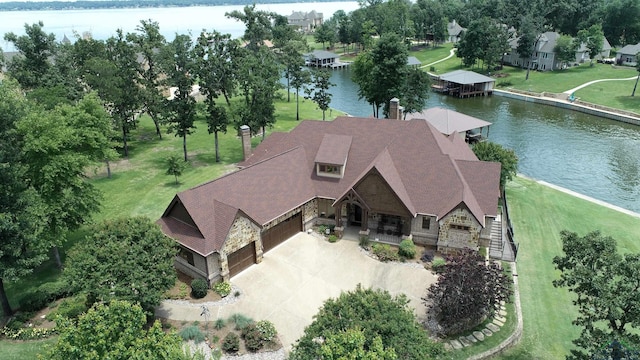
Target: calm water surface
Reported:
[(587, 154)]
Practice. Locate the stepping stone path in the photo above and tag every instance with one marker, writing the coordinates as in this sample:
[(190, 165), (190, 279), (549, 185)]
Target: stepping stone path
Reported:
[(493, 327)]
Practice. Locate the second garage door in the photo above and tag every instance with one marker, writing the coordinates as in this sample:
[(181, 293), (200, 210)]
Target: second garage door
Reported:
[(281, 232), (241, 259)]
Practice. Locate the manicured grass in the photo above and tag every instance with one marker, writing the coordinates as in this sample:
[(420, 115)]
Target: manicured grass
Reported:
[(539, 214), (428, 54), (18, 350), (615, 94)]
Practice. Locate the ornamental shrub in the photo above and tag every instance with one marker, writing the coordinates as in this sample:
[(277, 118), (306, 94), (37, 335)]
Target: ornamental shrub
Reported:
[(333, 238), (267, 330), (192, 333), (240, 321), (407, 249), (252, 338), (199, 288), (231, 343), (384, 252), (427, 256), (219, 324), (222, 288), (365, 242), (438, 264)]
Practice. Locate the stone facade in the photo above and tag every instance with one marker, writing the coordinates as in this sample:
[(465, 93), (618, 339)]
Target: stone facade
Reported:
[(458, 230), (243, 231), (424, 236), (309, 213)]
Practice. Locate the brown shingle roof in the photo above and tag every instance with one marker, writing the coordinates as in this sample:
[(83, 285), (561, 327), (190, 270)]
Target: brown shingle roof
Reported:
[(429, 172), (334, 149)]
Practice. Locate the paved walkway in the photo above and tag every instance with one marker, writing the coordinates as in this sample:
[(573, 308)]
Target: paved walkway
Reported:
[(451, 53), (570, 91), (295, 279)]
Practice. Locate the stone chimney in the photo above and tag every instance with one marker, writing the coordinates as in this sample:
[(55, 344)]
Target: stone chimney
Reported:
[(394, 109), (245, 132)]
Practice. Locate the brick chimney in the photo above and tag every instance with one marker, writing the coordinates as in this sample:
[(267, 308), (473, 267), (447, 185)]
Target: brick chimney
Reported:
[(245, 132), (394, 109)]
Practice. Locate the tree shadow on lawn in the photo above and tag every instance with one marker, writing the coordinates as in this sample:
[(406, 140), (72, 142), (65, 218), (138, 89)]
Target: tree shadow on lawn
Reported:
[(629, 102)]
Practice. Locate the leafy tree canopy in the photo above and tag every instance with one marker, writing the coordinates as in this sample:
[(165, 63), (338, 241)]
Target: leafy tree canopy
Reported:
[(605, 284), (115, 331), (374, 313), (126, 259)]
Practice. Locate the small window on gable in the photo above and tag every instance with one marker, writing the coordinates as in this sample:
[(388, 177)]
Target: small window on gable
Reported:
[(426, 222), (460, 227), (187, 255)]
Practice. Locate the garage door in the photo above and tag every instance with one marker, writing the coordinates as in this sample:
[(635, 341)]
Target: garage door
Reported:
[(281, 232), (241, 259)]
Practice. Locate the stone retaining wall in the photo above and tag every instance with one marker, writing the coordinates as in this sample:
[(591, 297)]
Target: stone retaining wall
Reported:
[(581, 106)]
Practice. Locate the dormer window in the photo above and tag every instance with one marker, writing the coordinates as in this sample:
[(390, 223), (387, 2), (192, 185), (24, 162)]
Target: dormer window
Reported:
[(328, 170), (332, 155)]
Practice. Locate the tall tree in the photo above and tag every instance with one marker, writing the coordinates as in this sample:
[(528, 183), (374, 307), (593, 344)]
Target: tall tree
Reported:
[(114, 76), (149, 42), (326, 33), (300, 79), (215, 56), (292, 59), (621, 22), (59, 146), (379, 315), (116, 330), (180, 65), (318, 92), (484, 40), (259, 78), (22, 216), (141, 272), (605, 285), (638, 77), (416, 91), (36, 51), (566, 49), (257, 25), (593, 40), (380, 74)]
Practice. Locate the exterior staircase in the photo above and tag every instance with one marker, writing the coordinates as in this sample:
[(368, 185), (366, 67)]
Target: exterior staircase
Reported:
[(496, 245)]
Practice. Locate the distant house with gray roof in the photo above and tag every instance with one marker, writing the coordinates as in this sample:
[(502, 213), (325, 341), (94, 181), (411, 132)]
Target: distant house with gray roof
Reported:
[(544, 57), (454, 31), (386, 179), (628, 55), (305, 21)]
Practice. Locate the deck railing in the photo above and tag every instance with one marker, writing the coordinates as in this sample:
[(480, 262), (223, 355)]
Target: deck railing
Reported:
[(507, 220)]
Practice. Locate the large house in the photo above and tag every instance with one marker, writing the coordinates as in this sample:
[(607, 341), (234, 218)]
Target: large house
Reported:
[(454, 32), (386, 179), (628, 55), (305, 21), (544, 57)]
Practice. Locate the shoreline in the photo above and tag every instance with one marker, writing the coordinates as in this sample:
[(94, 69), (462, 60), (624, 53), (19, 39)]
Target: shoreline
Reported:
[(587, 108), (582, 196)]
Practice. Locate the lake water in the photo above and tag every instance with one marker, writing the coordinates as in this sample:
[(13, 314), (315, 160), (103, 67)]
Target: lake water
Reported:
[(590, 155), (103, 23), (587, 154)]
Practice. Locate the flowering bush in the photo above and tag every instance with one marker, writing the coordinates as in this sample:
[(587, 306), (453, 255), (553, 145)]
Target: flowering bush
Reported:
[(29, 333), (267, 330), (222, 288)]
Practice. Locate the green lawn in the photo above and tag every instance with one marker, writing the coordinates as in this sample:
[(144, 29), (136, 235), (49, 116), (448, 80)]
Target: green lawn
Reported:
[(539, 214)]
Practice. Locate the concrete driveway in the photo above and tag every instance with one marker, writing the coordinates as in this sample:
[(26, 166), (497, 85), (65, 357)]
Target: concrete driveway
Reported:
[(295, 279)]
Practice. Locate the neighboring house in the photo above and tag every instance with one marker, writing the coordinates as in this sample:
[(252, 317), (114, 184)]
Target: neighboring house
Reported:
[(387, 179), (413, 61), (627, 55), (305, 21), (454, 31), (544, 57)]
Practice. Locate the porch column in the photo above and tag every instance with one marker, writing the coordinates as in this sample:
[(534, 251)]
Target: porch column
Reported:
[(364, 224), (338, 213)]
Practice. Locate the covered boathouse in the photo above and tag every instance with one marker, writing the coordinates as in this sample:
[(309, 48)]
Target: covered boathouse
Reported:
[(462, 83)]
